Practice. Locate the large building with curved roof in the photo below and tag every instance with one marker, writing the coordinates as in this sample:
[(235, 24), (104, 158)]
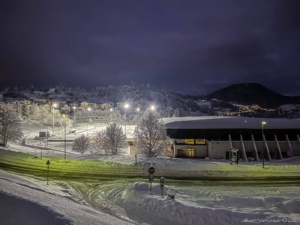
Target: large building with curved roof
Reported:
[(213, 137)]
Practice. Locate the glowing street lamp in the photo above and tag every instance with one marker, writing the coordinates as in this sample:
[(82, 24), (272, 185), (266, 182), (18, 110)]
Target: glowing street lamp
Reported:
[(152, 107), (53, 106), (263, 123), (126, 106)]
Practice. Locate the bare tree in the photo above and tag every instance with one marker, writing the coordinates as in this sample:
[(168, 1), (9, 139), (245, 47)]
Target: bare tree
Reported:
[(151, 136), (111, 140), (10, 125), (81, 144)]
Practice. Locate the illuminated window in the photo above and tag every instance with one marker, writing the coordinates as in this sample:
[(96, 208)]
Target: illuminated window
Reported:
[(189, 141), (200, 141)]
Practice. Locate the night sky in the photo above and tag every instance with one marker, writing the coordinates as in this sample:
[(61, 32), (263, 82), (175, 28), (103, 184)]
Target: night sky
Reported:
[(187, 46)]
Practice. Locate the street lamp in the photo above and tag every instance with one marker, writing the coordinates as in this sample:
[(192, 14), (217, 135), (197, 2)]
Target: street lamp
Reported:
[(74, 117), (65, 139), (263, 123), (138, 109), (53, 106), (89, 109), (126, 106), (152, 107)]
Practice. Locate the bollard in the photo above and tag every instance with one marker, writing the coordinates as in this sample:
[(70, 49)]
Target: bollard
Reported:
[(162, 184)]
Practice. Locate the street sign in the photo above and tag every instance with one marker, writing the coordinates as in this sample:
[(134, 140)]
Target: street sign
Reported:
[(151, 170)]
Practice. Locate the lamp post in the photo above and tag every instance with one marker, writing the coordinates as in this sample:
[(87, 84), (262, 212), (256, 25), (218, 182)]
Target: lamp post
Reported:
[(138, 114), (263, 123), (89, 109), (126, 106), (53, 106), (65, 140), (74, 117)]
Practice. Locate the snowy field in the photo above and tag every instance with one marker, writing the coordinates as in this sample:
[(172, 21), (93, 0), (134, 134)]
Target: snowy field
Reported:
[(29, 200), (129, 202)]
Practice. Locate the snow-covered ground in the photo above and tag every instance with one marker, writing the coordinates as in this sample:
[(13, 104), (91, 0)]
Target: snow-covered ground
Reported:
[(128, 201)]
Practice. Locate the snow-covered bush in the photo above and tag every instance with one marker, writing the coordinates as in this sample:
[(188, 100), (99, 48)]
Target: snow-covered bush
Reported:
[(81, 144)]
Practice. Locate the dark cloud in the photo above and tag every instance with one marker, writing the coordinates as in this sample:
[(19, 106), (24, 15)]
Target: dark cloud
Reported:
[(186, 46)]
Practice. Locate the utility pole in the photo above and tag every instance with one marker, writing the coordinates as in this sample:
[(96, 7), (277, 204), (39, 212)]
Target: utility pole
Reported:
[(65, 152), (263, 123)]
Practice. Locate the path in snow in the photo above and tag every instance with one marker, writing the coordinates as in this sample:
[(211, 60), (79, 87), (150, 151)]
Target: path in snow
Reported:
[(196, 202), (58, 197)]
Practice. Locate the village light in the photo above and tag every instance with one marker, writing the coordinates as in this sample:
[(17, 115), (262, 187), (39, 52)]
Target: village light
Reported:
[(263, 123), (53, 106)]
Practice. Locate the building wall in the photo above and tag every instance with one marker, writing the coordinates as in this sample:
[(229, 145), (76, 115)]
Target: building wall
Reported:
[(296, 147), (201, 151), (218, 149)]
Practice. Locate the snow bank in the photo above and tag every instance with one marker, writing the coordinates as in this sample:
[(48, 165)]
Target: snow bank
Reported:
[(213, 205)]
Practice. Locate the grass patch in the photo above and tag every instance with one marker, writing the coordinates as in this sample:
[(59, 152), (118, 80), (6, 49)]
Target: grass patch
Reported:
[(65, 169), (91, 170)]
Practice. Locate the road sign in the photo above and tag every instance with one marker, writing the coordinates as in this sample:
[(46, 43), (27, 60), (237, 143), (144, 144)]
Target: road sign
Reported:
[(48, 163), (151, 170)]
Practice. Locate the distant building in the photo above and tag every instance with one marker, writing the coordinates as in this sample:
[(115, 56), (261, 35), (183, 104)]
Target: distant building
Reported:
[(213, 137)]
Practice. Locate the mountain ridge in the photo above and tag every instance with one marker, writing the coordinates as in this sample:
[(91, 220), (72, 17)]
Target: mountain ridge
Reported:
[(252, 93)]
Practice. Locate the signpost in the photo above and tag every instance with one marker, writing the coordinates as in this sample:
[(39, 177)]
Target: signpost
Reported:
[(48, 164), (151, 171)]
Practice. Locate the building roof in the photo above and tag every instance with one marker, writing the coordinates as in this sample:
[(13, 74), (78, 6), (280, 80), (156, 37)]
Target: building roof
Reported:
[(222, 122)]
